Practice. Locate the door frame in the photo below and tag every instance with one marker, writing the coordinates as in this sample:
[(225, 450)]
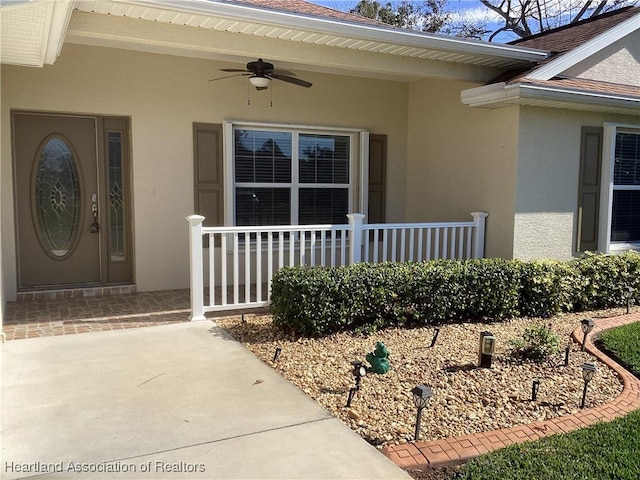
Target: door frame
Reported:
[(111, 273)]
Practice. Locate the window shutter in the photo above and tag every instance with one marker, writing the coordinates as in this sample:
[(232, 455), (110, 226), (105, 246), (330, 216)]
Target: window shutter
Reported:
[(208, 178), (377, 178), (589, 188)]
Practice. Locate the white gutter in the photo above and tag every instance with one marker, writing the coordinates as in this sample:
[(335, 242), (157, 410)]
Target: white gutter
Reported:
[(498, 94), (571, 58), (346, 28)]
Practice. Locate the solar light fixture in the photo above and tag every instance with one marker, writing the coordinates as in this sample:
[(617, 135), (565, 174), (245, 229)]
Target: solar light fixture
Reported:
[(588, 371), (587, 325), (421, 396), (534, 389), (487, 348), (629, 295), (436, 331), (566, 355), (359, 371)]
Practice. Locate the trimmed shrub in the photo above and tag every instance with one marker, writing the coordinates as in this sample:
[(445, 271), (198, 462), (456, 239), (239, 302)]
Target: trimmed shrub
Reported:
[(368, 296)]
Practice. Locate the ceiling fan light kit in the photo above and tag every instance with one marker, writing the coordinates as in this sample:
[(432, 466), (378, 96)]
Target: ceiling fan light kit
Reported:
[(261, 83), (260, 74)]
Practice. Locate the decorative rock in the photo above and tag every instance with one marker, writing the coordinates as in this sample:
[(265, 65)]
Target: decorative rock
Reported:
[(466, 400)]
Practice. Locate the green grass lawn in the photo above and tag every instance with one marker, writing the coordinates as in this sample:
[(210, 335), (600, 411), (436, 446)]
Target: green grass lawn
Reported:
[(600, 452), (624, 343)]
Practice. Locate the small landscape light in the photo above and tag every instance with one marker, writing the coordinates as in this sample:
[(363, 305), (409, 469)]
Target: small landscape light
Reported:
[(588, 371), (534, 389), (487, 347), (421, 396), (359, 371), (566, 355), (276, 356), (587, 325), (243, 320), (629, 295), (436, 331)]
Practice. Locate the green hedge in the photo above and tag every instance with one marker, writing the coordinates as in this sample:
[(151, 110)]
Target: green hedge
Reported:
[(369, 296)]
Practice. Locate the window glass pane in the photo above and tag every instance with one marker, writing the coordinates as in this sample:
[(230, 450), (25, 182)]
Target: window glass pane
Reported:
[(262, 157), (324, 159), (625, 220), (57, 197), (626, 170), (263, 206), (323, 206), (116, 197)]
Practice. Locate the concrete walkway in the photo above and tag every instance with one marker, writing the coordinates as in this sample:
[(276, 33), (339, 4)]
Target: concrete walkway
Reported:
[(175, 401), (456, 450)]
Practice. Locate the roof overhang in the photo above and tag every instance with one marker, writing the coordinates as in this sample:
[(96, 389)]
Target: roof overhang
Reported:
[(33, 31), (248, 20), (550, 95)]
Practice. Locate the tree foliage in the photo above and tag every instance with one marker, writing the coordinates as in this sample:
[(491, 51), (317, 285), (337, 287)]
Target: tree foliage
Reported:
[(529, 17), (517, 18)]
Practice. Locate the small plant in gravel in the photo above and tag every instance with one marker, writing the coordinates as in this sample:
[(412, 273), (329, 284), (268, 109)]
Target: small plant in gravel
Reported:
[(538, 343)]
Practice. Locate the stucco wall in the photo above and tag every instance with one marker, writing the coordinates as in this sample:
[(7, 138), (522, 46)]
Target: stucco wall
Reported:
[(164, 95), (547, 180), (461, 160), (617, 63)]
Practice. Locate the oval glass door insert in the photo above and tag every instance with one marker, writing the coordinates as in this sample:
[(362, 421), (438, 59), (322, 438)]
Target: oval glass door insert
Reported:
[(57, 198)]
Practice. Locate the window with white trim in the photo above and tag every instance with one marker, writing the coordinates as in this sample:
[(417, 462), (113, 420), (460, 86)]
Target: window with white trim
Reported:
[(625, 209), (290, 176), (621, 188)]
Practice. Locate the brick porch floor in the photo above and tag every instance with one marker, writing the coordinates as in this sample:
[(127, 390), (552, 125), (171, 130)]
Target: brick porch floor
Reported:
[(456, 450)]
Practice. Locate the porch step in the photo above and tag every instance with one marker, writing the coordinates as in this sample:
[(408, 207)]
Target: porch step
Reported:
[(70, 293)]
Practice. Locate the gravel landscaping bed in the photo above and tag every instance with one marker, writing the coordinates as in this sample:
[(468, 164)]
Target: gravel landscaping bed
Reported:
[(466, 399)]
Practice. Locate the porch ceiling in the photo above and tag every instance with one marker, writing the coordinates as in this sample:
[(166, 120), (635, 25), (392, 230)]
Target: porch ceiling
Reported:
[(212, 29)]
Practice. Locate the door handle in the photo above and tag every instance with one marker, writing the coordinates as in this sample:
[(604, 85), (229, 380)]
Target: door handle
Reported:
[(95, 227)]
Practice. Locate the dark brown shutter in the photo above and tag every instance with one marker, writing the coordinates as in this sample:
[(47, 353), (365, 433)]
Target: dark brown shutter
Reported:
[(208, 179), (377, 178), (589, 188)]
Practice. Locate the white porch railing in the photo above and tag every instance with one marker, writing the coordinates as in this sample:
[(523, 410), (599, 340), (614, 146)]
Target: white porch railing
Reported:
[(235, 269)]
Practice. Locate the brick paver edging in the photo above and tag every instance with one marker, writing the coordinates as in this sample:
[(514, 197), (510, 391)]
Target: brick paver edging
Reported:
[(456, 450)]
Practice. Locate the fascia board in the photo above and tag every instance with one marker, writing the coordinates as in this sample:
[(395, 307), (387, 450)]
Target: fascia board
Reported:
[(571, 58), (499, 94), (58, 26), (345, 28)]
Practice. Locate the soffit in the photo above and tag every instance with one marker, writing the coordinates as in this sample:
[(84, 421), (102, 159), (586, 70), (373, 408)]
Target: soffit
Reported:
[(260, 23)]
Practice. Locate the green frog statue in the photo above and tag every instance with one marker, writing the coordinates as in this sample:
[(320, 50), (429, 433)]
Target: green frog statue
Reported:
[(379, 359)]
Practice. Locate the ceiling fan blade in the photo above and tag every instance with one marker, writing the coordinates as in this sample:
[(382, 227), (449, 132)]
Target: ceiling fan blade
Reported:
[(230, 76), (282, 72), (233, 70), (295, 81)]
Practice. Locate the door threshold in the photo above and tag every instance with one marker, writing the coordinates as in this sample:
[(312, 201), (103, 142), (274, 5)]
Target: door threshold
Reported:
[(69, 293)]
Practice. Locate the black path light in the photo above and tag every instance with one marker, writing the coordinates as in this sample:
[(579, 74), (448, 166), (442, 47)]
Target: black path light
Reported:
[(436, 332), (276, 355), (629, 295), (421, 396), (359, 371), (587, 325), (566, 355), (534, 389), (588, 371)]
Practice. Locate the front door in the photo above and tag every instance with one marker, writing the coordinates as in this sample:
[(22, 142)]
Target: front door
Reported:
[(63, 178)]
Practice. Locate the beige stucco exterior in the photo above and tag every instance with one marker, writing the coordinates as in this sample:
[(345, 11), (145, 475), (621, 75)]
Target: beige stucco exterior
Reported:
[(460, 160), (613, 63), (163, 95), (548, 168)]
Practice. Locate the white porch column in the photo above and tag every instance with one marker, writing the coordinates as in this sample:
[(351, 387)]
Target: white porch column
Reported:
[(355, 239), (196, 275), (478, 241)]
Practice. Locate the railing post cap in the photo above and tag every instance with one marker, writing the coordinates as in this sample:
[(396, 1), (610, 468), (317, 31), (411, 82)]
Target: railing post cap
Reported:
[(479, 214), (195, 219), (356, 216)]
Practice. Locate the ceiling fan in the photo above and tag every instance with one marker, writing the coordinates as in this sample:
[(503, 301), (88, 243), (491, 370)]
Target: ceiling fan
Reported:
[(260, 74)]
